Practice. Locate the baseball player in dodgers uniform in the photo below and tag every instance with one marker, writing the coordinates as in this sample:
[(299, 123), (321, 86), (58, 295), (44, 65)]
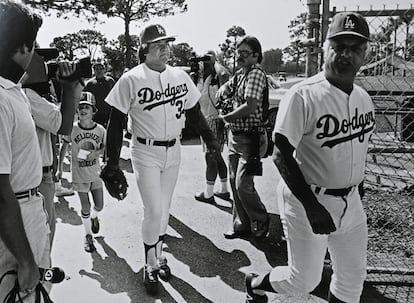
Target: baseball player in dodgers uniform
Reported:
[(322, 131), (157, 98)]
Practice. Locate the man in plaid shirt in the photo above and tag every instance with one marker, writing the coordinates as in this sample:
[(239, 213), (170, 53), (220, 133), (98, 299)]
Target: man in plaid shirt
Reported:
[(247, 140)]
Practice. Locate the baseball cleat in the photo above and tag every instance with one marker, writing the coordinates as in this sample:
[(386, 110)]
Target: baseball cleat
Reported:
[(88, 245), (252, 297), (151, 279), (95, 225), (164, 271)]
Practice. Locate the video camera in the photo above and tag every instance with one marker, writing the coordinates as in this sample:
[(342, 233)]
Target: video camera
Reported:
[(195, 67), (38, 74)]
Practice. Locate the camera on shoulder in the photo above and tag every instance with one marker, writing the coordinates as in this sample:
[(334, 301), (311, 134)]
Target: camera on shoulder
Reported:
[(38, 73)]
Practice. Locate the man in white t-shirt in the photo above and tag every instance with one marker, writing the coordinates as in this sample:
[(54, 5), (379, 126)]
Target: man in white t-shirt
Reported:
[(322, 131), (157, 99), (24, 233)]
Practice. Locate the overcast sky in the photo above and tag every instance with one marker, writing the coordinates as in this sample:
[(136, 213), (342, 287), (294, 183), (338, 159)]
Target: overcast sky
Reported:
[(205, 23)]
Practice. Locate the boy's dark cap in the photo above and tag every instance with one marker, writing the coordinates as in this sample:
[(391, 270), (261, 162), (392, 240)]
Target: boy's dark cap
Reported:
[(349, 24)]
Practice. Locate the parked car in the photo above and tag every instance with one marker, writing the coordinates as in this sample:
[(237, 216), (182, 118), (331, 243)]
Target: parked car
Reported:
[(282, 76)]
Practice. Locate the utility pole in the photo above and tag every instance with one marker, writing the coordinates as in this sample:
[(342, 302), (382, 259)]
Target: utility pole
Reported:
[(313, 26)]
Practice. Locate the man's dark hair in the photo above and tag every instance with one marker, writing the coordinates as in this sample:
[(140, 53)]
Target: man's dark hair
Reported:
[(254, 44), (142, 51), (18, 27)]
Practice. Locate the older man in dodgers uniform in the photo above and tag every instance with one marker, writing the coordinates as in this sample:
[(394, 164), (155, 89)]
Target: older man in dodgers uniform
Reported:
[(322, 131), (157, 98)]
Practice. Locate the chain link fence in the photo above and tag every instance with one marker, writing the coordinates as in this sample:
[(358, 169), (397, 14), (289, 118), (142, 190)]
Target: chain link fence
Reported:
[(389, 79)]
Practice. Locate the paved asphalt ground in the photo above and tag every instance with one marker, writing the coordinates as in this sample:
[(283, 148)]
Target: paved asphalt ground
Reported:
[(206, 266)]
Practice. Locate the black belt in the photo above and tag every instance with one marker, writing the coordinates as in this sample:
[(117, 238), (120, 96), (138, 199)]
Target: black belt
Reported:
[(337, 192), (47, 169), (157, 143), (26, 193), (246, 132)]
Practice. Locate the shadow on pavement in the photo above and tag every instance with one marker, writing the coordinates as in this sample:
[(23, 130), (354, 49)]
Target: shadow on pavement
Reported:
[(116, 276), (273, 246), (204, 258), (67, 214)]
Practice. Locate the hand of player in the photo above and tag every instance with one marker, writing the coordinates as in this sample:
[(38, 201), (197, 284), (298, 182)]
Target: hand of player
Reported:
[(320, 219), (92, 155), (28, 276)]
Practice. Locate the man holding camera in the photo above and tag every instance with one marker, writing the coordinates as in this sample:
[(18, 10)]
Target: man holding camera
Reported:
[(24, 232), (50, 119), (247, 140), (212, 75)]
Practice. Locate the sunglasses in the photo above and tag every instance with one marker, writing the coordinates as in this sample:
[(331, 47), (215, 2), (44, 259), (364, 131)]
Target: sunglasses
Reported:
[(243, 53)]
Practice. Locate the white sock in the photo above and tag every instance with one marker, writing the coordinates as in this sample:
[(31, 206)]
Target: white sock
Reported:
[(209, 190), (94, 212), (87, 223), (223, 183)]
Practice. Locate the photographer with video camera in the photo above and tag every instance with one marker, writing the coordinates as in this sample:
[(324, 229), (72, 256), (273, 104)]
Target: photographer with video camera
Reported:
[(210, 76), (247, 140), (50, 118), (24, 232)]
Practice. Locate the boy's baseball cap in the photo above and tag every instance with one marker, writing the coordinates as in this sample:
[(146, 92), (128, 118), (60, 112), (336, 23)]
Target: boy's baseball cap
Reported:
[(348, 23), (154, 33), (88, 98)]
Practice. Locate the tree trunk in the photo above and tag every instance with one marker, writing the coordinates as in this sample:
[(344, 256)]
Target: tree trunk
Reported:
[(128, 48)]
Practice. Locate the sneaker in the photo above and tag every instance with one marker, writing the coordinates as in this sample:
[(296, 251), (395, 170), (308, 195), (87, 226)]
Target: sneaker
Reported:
[(225, 196), (150, 279), (88, 245), (164, 271), (201, 197), (95, 225), (61, 191)]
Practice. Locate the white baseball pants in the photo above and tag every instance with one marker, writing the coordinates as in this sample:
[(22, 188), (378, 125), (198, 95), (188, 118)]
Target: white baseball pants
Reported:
[(306, 250), (156, 171)]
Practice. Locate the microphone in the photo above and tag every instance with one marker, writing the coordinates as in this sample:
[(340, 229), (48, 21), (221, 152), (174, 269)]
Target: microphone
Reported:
[(52, 275)]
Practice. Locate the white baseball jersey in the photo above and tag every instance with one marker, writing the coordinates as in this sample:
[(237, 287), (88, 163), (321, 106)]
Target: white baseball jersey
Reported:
[(154, 101), (85, 140), (48, 119), (19, 148), (329, 129)]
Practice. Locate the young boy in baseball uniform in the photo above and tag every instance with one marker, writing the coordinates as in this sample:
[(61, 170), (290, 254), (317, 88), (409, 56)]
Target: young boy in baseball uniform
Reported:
[(322, 131), (88, 143), (157, 98)]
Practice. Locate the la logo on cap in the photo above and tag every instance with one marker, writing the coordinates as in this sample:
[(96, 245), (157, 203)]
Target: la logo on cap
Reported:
[(160, 30), (349, 24)]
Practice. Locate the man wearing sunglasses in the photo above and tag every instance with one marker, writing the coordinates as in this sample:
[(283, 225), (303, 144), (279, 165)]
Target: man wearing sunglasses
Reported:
[(247, 141), (158, 99), (322, 131)]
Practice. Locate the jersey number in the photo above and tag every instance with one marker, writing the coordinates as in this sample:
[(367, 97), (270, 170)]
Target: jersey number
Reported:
[(179, 104)]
